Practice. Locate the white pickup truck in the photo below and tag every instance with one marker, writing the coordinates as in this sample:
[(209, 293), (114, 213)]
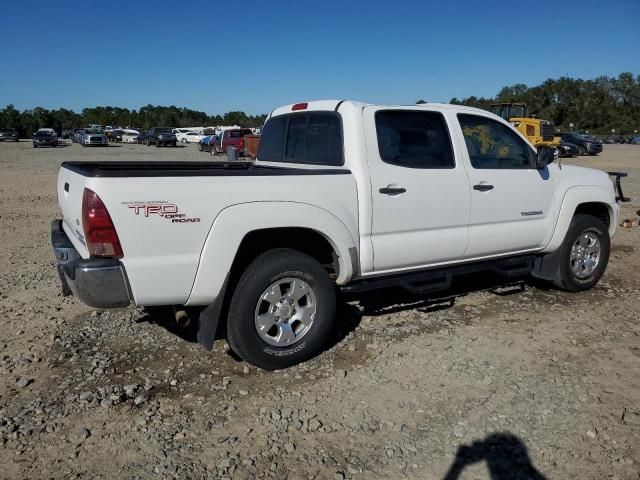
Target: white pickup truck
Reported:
[(344, 196)]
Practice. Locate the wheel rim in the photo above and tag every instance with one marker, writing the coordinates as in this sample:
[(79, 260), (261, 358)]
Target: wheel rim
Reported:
[(585, 255), (285, 312)]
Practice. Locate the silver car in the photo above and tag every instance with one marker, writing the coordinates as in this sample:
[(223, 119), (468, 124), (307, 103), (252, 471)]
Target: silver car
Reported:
[(94, 137)]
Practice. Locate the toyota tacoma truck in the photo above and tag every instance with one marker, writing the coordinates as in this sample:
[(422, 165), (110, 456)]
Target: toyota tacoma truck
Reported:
[(343, 197)]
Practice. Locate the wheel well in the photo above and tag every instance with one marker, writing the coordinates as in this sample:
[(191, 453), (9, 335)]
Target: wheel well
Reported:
[(304, 240), (598, 210)]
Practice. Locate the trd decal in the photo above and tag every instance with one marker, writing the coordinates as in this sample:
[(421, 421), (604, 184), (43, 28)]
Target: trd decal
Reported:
[(163, 209)]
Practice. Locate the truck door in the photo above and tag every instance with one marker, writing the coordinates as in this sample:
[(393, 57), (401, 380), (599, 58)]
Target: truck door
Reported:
[(419, 187), (511, 201)]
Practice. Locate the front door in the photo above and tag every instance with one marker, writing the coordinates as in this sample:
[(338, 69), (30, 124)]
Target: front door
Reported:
[(511, 200), (420, 191)]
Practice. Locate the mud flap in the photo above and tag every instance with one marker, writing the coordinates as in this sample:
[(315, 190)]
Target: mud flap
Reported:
[(545, 267), (208, 324), (209, 318)]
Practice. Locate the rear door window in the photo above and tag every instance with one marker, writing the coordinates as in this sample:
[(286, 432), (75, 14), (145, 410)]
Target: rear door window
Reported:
[(312, 138), (414, 139)]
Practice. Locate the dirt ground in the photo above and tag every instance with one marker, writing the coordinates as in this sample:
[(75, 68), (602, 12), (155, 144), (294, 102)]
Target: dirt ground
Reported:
[(520, 382)]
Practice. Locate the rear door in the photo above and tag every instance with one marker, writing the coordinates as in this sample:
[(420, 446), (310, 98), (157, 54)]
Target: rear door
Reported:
[(420, 191), (511, 200)]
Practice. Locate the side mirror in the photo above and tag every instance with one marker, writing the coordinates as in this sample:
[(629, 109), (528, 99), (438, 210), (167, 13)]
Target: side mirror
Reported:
[(545, 156)]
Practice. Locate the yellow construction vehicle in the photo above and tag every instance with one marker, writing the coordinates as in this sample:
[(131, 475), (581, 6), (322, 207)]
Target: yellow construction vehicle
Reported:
[(539, 132)]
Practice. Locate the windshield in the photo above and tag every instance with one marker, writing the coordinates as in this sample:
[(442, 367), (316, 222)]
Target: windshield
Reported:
[(163, 130)]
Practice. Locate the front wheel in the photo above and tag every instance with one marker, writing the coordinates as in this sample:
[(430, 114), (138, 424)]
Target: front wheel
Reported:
[(581, 150), (282, 310), (583, 255)]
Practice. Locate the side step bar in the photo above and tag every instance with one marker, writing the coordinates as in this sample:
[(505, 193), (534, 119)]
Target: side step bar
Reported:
[(435, 280)]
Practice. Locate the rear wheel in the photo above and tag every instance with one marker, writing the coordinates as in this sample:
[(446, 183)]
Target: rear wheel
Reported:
[(282, 310), (583, 255), (199, 147)]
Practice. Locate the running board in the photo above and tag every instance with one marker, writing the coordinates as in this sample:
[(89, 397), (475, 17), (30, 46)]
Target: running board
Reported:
[(436, 280)]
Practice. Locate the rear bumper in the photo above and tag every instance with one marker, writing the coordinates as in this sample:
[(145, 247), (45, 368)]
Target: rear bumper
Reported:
[(97, 282)]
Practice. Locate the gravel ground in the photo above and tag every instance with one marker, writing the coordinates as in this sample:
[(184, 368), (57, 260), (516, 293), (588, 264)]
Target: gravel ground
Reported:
[(519, 382)]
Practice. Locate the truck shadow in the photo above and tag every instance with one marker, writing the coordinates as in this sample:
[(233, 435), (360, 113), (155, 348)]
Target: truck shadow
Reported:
[(351, 308), (505, 454)]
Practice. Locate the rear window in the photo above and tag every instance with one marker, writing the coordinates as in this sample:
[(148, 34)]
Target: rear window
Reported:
[(240, 133), (313, 138)]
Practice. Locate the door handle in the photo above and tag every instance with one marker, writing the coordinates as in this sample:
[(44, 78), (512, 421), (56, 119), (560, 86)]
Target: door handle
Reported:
[(392, 190), (483, 187)]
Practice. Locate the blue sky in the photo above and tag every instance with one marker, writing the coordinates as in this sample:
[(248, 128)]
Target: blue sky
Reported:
[(255, 56)]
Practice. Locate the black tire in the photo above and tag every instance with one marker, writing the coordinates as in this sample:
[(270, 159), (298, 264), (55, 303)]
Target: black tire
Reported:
[(157, 143), (581, 224), (35, 146), (199, 147), (269, 267), (148, 142), (174, 144), (581, 150)]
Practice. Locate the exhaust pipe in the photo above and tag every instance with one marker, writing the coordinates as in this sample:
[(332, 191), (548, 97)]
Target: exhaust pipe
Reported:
[(183, 320)]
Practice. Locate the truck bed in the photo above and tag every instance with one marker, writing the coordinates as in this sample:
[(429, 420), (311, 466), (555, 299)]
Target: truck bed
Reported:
[(170, 216)]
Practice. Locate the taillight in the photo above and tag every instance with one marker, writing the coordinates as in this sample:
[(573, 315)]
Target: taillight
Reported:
[(99, 232), (300, 106), (241, 144)]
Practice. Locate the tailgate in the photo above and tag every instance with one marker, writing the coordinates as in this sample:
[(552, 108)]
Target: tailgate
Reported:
[(70, 190)]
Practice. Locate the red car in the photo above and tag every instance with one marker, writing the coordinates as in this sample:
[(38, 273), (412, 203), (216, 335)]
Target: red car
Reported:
[(231, 137)]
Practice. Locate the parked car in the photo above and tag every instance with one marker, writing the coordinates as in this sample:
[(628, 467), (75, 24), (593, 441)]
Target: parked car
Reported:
[(205, 144), (330, 205), (76, 134), (192, 137), (566, 149), (91, 137), (8, 134), (181, 134), (130, 136), (161, 136), (233, 137), (635, 140), (44, 138), (585, 144), (115, 135), (142, 137)]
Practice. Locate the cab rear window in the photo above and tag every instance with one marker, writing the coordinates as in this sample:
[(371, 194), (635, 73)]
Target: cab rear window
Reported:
[(313, 138)]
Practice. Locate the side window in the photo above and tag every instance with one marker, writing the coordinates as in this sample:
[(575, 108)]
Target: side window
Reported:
[(492, 145), (414, 139), (312, 138)]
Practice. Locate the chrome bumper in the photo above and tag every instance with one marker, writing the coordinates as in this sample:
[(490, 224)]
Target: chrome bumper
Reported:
[(97, 282)]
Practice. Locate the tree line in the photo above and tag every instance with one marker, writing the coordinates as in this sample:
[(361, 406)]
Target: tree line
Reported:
[(28, 121), (597, 105)]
